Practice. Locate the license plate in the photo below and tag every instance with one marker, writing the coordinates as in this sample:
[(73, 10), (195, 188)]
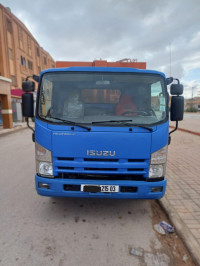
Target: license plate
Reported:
[(99, 188)]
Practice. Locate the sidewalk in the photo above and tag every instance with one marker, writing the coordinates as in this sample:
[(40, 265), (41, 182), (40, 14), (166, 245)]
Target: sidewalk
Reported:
[(16, 127), (182, 198)]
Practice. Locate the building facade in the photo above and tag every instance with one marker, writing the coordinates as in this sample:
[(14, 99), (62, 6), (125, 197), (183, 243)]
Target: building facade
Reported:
[(103, 63), (20, 56), (192, 104)]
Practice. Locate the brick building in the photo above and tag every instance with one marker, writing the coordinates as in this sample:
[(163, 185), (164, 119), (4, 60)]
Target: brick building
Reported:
[(20, 56), (103, 63)]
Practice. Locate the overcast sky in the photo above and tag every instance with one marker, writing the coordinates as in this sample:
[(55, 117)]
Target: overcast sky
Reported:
[(150, 31)]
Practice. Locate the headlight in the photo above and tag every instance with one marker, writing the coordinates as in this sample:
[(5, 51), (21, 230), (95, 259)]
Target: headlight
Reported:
[(42, 154), (45, 168), (158, 163), (159, 156), (156, 170), (43, 161)]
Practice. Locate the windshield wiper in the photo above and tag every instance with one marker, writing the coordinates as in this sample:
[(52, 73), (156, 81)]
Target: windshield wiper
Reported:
[(148, 128), (68, 122), (111, 121), (123, 122)]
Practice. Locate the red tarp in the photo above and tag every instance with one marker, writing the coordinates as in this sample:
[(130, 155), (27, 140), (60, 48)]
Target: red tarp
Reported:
[(17, 92)]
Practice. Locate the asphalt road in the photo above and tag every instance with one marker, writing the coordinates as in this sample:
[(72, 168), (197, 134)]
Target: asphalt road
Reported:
[(36, 230)]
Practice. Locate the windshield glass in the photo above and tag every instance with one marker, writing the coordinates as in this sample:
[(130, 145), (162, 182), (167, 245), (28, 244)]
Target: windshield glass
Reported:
[(102, 98)]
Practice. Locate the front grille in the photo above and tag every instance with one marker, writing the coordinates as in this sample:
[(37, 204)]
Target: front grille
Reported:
[(100, 160), (65, 158), (100, 169), (65, 168), (103, 166), (102, 177), (136, 160), (135, 169)]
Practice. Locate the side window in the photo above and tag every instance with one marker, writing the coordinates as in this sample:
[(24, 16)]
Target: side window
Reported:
[(158, 102), (46, 96)]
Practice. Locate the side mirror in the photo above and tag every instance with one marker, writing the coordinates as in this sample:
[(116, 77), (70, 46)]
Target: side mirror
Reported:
[(28, 86), (176, 89), (27, 105), (177, 108)]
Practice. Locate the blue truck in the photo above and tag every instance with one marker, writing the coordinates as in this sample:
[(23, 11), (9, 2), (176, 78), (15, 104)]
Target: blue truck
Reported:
[(102, 132)]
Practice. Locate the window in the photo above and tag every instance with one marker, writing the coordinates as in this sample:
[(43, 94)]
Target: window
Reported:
[(29, 46), (23, 61), (158, 99), (46, 97), (37, 51), (45, 60), (20, 36), (14, 80), (30, 65), (97, 97), (8, 26), (10, 54)]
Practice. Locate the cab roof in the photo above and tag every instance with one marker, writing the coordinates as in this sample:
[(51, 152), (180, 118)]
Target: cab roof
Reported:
[(103, 69)]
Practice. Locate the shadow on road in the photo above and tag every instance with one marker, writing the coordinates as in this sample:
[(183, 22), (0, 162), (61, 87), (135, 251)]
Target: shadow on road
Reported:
[(94, 209)]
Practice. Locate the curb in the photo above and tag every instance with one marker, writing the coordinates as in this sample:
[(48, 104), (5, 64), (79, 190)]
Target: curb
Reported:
[(187, 131), (4, 132), (182, 230)]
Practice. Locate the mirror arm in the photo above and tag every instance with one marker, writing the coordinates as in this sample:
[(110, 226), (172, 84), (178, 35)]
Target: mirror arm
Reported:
[(27, 121), (174, 128), (28, 78), (34, 77), (33, 134), (177, 81)]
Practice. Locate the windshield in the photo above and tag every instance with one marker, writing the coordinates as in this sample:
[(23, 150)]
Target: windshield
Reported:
[(102, 98)]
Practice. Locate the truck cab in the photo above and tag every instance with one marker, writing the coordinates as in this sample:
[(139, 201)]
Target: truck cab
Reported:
[(102, 132)]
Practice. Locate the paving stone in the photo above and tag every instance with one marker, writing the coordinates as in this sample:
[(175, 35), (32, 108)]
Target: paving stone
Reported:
[(196, 200), (193, 226), (175, 203), (196, 233), (190, 205), (197, 218), (186, 216), (181, 209), (194, 221)]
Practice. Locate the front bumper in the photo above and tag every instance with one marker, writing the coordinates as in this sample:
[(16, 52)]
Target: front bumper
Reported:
[(143, 190)]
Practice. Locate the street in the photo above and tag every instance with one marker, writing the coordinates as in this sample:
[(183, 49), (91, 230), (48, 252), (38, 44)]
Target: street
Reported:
[(36, 230)]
